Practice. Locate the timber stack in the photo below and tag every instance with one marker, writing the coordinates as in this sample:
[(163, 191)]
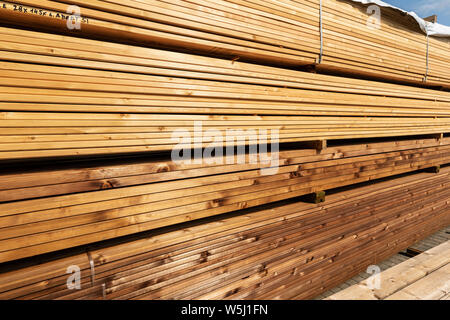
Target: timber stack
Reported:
[(117, 155)]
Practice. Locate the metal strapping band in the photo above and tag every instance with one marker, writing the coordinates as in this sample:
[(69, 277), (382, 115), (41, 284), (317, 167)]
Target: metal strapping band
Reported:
[(91, 263), (104, 291), (321, 33)]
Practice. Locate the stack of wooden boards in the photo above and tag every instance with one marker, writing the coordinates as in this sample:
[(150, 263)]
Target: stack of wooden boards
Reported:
[(287, 251), (87, 124), (423, 277), (278, 32), (72, 208), (64, 96)]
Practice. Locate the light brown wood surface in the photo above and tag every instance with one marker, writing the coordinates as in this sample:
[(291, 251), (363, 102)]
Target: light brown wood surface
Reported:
[(283, 32)]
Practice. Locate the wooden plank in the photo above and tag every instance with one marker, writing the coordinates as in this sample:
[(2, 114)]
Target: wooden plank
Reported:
[(421, 277)]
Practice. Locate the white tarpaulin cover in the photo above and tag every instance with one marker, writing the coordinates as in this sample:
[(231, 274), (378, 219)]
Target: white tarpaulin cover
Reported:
[(429, 28)]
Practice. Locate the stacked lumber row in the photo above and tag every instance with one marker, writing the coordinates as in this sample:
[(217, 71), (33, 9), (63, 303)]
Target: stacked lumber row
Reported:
[(65, 96), (281, 32), (436, 60), (423, 277), (53, 209), (37, 135), (396, 50), (288, 251), (62, 178), (90, 59)]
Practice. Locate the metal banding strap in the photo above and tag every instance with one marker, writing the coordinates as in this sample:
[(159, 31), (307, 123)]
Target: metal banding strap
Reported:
[(104, 291), (92, 265), (321, 33)]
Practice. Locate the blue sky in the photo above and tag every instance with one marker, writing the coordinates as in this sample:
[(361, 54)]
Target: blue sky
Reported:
[(425, 8)]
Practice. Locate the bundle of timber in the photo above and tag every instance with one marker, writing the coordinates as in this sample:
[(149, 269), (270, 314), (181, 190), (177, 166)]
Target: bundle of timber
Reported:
[(287, 251), (142, 133), (72, 208), (334, 35), (65, 96)]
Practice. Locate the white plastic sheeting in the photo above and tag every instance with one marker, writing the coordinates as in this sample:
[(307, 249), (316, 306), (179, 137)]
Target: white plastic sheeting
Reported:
[(429, 28)]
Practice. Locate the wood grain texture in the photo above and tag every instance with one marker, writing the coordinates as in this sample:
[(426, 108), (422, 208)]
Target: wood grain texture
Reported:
[(40, 214), (287, 251), (64, 96), (283, 32), (423, 277), (87, 122)]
